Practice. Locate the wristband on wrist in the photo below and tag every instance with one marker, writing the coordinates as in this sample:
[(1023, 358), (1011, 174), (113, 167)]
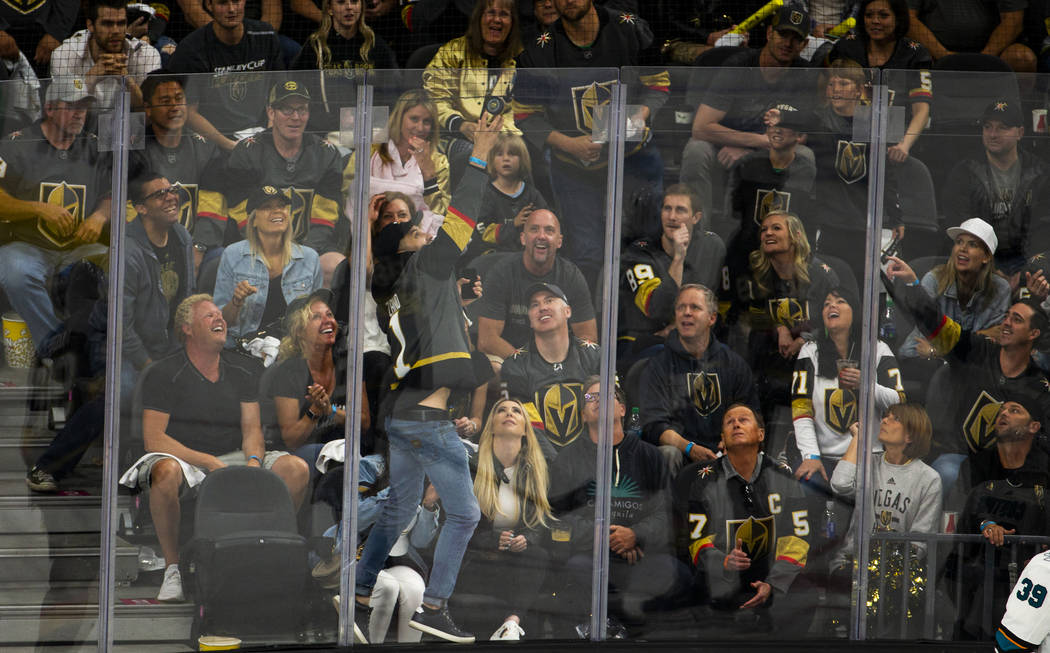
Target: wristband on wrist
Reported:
[(813, 456), (311, 414), (478, 162), (334, 410), (986, 523), (255, 458), (688, 448), (915, 283)]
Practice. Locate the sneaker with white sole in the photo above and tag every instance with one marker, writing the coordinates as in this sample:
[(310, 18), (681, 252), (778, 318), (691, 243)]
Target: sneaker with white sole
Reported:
[(40, 481), (439, 624), (171, 586), (510, 631)]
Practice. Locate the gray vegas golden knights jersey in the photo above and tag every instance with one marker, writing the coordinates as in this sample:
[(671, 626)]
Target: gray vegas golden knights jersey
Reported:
[(552, 392), (195, 166), (77, 179)]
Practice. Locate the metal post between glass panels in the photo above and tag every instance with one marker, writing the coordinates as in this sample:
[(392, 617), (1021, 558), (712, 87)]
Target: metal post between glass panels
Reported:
[(114, 339), (355, 334), (866, 394), (603, 470)]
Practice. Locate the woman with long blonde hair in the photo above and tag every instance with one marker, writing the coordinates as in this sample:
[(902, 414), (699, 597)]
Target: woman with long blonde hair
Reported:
[(505, 559), (259, 276), (409, 162), (783, 297), (339, 48)]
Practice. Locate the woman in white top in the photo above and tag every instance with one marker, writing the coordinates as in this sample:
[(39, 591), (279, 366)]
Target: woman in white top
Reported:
[(505, 558), (826, 381)]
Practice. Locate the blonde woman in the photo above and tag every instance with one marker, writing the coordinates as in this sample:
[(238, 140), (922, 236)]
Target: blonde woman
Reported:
[(409, 162), (505, 559), (342, 45), (259, 276), (784, 297)]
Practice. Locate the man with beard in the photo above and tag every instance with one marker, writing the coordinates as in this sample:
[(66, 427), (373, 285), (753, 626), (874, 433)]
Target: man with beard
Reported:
[(503, 323), (983, 372), (548, 373), (237, 50), (158, 277), (1016, 456), (186, 159), (1002, 187), (102, 53), (556, 110)]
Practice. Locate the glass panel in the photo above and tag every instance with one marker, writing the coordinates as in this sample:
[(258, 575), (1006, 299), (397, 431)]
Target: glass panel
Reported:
[(225, 255), (462, 211), (55, 177), (766, 206), (982, 385)]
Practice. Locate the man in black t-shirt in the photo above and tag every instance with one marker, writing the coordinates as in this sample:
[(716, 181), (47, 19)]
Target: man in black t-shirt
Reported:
[(548, 374), (201, 411), (237, 51), (731, 121), (503, 324)]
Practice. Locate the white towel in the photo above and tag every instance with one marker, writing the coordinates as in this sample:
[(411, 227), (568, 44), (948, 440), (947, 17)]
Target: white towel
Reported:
[(334, 451), (193, 475)]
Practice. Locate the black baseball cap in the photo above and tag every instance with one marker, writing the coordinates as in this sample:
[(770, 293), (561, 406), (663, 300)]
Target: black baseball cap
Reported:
[(792, 16), (264, 194), (283, 90), (1005, 111), (545, 287)]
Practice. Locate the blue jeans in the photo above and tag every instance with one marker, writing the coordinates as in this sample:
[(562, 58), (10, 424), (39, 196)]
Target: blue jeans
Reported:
[(948, 465), (417, 450), (24, 271)]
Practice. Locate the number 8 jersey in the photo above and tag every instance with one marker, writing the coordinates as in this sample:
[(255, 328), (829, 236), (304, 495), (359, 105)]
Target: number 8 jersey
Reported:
[(1026, 624)]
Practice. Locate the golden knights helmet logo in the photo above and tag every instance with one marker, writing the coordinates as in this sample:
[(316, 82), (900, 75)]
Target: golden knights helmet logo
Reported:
[(71, 197), (885, 521), (758, 535), (840, 409), (302, 200), (238, 89), (788, 311), (187, 194), (851, 161), (559, 405), (24, 7), (979, 426), (706, 391), (586, 99), (770, 200)]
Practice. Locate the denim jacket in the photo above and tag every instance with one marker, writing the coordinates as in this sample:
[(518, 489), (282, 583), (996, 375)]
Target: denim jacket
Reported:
[(975, 316), (301, 276)]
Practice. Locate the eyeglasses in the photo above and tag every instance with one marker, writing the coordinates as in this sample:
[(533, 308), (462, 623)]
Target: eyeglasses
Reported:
[(591, 397), (161, 193), (301, 111), (748, 491)]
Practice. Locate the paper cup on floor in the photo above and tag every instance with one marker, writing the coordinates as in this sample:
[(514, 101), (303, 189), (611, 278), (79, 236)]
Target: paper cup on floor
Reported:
[(18, 345), (217, 643)]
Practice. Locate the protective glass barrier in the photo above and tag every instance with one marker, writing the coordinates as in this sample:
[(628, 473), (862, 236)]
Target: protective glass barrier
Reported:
[(55, 181), (767, 208), (982, 378), (479, 332), (235, 219)]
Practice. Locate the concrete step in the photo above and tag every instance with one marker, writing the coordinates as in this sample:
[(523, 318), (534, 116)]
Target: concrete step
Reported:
[(77, 508), (61, 557), (166, 626)]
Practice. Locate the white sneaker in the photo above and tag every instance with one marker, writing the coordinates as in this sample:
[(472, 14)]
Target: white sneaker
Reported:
[(171, 587), (509, 631)]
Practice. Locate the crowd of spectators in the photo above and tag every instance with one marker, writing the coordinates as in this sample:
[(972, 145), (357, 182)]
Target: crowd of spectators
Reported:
[(739, 338)]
